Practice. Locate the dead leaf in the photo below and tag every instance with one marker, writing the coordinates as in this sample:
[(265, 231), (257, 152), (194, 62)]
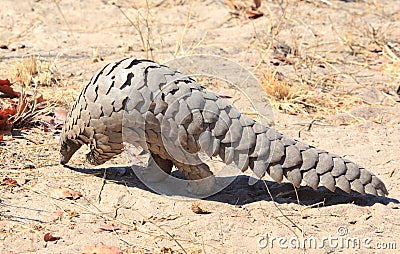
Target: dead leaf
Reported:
[(166, 250), (64, 193), (14, 112), (110, 227), (100, 249), (340, 104), (49, 238), (198, 210), (72, 214), (257, 3), (10, 182), (5, 114), (55, 216), (5, 87), (253, 13)]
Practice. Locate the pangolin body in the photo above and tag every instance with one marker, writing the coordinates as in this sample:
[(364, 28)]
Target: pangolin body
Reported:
[(174, 118)]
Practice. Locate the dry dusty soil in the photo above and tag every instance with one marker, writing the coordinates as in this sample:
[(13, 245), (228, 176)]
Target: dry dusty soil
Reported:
[(342, 57)]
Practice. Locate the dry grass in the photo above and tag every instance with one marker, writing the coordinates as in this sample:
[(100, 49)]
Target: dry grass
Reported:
[(277, 88), (315, 87), (142, 26), (35, 71), (393, 54), (393, 69), (35, 78), (305, 99)]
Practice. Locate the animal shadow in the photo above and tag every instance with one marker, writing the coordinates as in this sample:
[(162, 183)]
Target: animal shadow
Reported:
[(240, 192)]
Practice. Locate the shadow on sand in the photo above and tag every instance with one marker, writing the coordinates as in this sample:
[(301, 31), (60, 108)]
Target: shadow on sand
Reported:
[(239, 192)]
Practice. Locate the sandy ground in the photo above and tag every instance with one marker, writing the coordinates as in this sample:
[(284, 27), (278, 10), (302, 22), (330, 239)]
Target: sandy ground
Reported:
[(352, 46)]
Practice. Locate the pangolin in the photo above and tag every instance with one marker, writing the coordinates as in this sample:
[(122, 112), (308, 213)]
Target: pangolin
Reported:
[(174, 118)]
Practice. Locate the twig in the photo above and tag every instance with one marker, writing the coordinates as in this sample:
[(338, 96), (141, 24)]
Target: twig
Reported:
[(137, 27), (307, 126), (391, 55), (284, 215), (103, 182), (65, 20), (179, 44)]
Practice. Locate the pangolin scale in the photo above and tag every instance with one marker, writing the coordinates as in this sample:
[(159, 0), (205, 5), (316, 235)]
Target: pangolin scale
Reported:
[(174, 118)]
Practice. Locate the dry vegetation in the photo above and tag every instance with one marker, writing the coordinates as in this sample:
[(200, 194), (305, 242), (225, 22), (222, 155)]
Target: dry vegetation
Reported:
[(318, 86), (334, 63)]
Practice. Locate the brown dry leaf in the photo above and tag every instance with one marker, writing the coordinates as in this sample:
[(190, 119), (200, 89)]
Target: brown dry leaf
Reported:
[(9, 182), (64, 193), (5, 113), (100, 249), (110, 227), (72, 214), (198, 210), (340, 104), (253, 13), (5, 87), (48, 237), (257, 3), (166, 250), (55, 216)]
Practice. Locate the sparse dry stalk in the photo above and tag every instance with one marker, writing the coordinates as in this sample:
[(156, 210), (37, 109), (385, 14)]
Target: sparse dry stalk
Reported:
[(31, 74), (145, 37)]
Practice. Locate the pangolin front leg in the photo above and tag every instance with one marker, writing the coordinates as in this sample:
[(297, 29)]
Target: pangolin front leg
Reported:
[(174, 118)]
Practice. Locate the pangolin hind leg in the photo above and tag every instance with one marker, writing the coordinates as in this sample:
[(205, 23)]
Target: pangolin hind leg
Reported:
[(157, 170), (201, 179)]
